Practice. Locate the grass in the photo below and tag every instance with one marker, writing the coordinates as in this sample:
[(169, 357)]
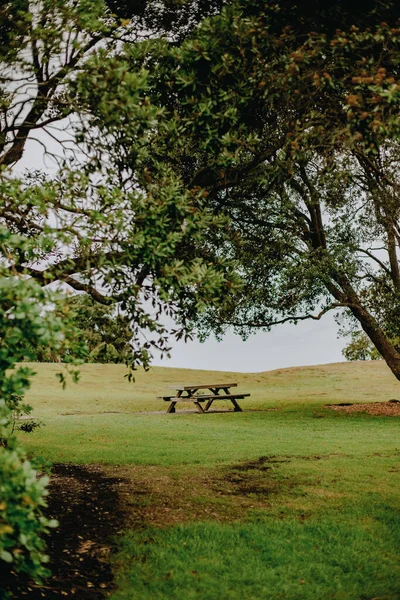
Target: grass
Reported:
[(289, 559), (209, 439), (285, 500)]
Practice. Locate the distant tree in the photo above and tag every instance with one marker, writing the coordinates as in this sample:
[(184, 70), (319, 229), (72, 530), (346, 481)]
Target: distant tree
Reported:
[(101, 329), (360, 348), (287, 120), (105, 331)]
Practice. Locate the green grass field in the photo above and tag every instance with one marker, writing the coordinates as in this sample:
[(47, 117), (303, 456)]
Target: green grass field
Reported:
[(286, 500)]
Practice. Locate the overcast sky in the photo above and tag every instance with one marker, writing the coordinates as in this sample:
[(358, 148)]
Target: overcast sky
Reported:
[(308, 343)]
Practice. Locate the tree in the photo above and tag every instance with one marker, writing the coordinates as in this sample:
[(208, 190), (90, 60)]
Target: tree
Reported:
[(104, 332), (108, 219), (301, 155), (360, 348)]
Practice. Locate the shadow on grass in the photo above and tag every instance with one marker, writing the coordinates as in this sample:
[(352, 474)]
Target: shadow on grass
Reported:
[(86, 503)]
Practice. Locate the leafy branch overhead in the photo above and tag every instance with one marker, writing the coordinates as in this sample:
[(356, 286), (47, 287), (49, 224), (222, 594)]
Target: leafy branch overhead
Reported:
[(108, 220)]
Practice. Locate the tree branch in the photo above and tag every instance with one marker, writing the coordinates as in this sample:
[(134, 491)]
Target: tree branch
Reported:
[(292, 318), (69, 266), (89, 289), (206, 178), (45, 93), (380, 263)]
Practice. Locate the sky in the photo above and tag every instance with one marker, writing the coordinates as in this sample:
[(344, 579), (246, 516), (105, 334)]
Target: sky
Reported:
[(287, 345), (307, 343)]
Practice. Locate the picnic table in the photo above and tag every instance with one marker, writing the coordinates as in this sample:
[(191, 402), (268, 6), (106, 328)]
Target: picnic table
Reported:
[(198, 394)]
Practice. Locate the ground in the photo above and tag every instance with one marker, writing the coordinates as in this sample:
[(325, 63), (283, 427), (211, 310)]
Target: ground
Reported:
[(86, 501), (389, 409), (92, 503), (95, 503)]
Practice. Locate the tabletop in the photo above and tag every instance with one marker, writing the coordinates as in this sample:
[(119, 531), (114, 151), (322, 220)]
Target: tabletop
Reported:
[(186, 387)]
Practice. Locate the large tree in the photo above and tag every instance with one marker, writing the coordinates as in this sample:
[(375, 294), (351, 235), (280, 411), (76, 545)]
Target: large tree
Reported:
[(287, 119), (100, 217)]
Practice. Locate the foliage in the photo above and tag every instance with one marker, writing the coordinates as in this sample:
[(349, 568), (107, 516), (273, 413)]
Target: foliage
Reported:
[(301, 156), (22, 523), (23, 316), (177, 17), (103, 330), (18, 409), (360, 348), (109, 221)]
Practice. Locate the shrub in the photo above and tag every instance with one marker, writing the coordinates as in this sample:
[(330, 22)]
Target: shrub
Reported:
[(22, 522), (23, 489)]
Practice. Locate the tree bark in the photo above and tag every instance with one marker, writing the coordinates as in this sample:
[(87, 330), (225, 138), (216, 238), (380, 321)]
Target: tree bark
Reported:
[(394, 263)]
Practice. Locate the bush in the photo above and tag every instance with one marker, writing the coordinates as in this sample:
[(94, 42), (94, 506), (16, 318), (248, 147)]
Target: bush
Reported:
[(22, 522), (23, 489)]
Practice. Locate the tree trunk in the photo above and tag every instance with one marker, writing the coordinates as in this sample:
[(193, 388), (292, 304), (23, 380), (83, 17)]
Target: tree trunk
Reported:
[(378, 338), (370, 325)]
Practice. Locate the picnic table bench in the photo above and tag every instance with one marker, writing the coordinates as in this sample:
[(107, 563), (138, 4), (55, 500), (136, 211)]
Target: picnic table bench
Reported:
[(194, 393)]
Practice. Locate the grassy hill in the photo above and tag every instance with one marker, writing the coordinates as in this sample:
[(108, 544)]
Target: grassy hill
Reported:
[(287, 499), (104, 387), (104, 418)]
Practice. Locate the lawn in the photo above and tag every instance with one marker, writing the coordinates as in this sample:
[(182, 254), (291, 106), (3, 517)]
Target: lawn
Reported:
[(287, 499)]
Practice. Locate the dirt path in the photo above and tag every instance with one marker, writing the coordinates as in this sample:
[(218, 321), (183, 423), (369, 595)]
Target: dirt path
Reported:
[(87, 503), (94, 504)]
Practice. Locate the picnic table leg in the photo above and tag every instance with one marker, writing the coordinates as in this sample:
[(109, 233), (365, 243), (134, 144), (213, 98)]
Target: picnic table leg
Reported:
[(236, 405), (171, 407), (208, 404), (199, 406), (192, 397)]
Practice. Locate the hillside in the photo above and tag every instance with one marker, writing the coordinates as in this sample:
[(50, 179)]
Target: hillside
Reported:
[(104, 388)]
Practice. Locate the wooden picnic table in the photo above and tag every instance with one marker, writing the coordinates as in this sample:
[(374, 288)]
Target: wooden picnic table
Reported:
[(194, 393)]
